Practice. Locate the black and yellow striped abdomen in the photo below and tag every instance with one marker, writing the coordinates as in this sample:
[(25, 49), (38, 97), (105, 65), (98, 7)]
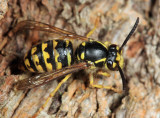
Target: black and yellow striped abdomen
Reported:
[(48, 56)]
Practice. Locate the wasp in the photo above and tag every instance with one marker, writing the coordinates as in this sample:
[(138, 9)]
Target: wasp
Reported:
[(56, 58)]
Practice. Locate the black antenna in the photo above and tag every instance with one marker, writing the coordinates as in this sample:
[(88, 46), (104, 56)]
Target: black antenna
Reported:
[(123, 78), (130, 34)]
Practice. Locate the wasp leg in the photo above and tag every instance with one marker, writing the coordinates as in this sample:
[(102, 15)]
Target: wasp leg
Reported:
[(101, 86), (51, 95), (91, 32), (103, 73), (107, 43)]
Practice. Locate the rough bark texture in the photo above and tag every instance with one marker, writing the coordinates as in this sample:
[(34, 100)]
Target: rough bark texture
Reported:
[(76, 98)]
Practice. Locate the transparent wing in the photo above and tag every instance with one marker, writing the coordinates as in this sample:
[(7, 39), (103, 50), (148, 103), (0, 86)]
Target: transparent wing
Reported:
[(34, 25), (46, 77)]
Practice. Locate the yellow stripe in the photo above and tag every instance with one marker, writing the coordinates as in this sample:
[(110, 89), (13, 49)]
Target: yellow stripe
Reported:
[(69, 58), (102, 44), (67, 43), (45, 57), (78, 57), (68, 54), (27, 64), (36, 60), (58, 64)]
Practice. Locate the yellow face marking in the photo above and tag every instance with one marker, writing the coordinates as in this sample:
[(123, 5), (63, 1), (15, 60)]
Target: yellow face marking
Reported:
[(121, 62), (36, 60), (45, 57), (118, 57), (117, 47), (83, 43), (27, 64), (82, 55), (114, 65), (100, 60)]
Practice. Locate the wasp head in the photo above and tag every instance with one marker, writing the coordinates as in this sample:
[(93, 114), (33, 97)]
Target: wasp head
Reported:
[(115, 60), (114, 57)]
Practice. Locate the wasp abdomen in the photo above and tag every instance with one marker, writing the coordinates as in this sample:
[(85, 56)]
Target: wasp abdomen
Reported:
[(50, 55), (92, 51)]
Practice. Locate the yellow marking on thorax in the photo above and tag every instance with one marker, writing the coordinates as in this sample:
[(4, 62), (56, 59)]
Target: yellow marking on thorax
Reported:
[(107, 43), (58, 64), (36, 60), (27, 64), (102, 44), (82, 55), (83, 43), (45, 57), (100, 60)]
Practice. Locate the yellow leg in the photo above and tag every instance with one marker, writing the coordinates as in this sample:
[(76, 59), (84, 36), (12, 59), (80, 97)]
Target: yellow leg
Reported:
[(107, 43), (100, 86), (51, 95), (91, 32), (103, 73)]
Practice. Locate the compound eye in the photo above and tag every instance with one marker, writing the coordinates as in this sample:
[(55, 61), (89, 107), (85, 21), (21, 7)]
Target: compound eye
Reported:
[(109, 64)]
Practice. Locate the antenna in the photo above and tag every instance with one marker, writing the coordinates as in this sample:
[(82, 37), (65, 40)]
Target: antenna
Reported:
[(123, 78), (130, 34)]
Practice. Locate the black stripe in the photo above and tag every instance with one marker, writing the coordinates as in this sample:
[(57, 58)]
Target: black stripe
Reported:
[(70, 50), (29, 57), (49, 50), (39, 53), (61, 49)]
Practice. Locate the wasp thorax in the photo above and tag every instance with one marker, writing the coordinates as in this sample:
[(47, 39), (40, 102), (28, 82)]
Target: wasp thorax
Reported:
[(114, 57)]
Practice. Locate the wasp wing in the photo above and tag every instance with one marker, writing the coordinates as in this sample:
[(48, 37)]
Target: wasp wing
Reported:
[(48, 76), (34, 25)]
